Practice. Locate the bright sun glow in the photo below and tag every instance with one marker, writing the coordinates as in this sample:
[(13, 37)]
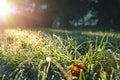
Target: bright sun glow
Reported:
[(4, 8)]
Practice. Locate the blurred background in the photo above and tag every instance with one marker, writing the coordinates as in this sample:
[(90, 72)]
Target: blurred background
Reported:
[(65, 14)]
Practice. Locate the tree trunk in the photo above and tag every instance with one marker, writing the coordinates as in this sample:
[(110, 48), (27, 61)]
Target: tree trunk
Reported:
[(83, 21)]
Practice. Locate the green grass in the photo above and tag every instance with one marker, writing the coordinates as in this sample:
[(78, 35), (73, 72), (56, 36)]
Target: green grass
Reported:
[(48, 54)]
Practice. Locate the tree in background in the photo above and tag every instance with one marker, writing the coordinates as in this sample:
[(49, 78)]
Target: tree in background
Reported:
[(46, 11), (68, 10), (107, 12)]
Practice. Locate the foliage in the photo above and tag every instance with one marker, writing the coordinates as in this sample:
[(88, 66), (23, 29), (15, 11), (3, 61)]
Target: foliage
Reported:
[(37, 55), (107, 15), (75, 11)]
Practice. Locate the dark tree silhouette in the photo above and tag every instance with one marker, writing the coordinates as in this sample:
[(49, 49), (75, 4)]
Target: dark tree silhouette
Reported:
[(46, 11), (107, 12), (68, 10)]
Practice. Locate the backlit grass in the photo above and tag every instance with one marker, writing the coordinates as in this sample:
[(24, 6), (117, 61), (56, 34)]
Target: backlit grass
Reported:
[(48, 54)]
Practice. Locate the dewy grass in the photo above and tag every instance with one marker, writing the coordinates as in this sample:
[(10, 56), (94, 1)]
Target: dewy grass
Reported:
[(35, 55)]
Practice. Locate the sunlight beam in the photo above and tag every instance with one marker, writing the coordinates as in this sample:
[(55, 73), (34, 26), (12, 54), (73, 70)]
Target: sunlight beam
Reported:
[(4, 8)]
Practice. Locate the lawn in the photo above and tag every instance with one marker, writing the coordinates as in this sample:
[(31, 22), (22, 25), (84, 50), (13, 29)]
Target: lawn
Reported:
[(48, 54)]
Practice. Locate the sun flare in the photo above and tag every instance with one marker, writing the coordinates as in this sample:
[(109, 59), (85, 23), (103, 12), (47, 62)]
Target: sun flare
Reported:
[(4, 8)]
